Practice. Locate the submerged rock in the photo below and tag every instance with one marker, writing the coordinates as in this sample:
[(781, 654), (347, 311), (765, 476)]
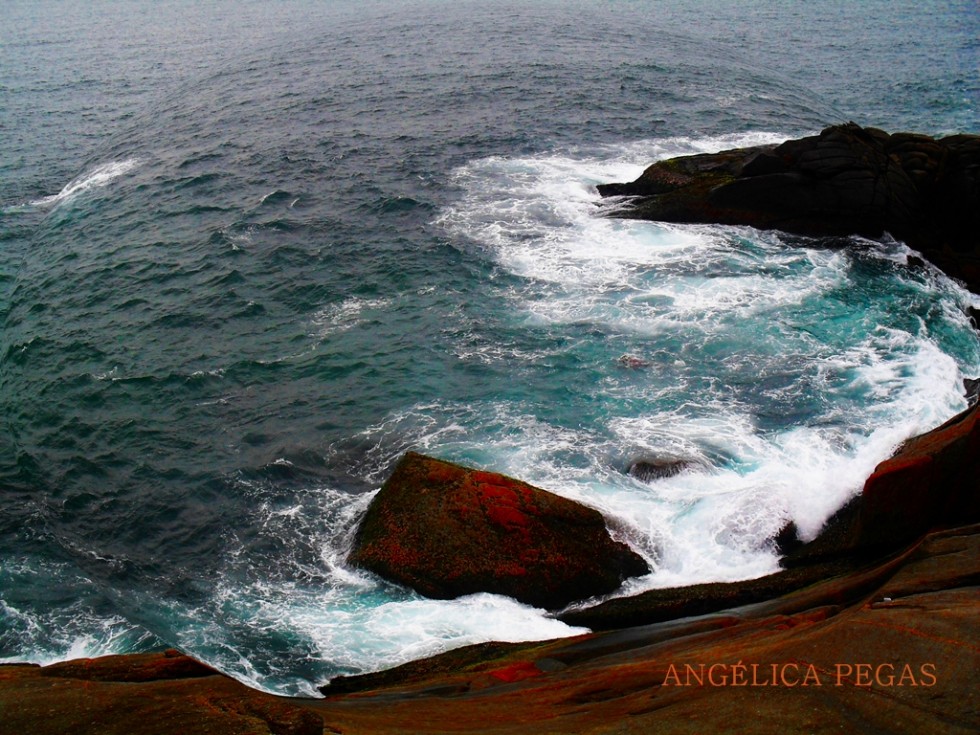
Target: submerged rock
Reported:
[(655, 468), (446, 531), (633, 362), (846, 180), (974, 315)]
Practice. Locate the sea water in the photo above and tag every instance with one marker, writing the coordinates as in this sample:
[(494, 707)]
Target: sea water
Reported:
[(252, 253)]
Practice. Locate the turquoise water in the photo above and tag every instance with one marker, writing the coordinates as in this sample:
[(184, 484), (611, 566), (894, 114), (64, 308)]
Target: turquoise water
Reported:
[(252, 253)]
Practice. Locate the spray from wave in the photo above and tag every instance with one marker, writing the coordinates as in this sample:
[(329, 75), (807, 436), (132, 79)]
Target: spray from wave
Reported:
[(98, 177)]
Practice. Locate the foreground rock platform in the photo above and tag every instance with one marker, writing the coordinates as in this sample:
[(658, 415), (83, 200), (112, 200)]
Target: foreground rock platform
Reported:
[(141, 693), (848, 180), (891, 648), (447, 530)]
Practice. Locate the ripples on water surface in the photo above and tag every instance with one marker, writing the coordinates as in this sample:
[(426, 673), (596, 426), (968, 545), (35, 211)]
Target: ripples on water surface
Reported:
[(251, 254)]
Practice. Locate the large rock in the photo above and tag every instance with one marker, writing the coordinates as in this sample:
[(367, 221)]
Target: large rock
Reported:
[(846, 180), (446, 531)]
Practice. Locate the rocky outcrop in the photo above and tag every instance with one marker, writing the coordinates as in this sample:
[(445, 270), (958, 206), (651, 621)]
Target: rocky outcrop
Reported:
[(846, 180), (142, 693), (446, 531), (890, 648)]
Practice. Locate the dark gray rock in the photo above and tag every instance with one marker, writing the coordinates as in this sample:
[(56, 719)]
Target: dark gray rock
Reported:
[(847, 180), (649, 469)]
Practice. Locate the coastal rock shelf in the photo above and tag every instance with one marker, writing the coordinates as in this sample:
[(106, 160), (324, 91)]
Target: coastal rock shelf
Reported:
[(871, 627), (889, 648), (446, 531), (847, 180)]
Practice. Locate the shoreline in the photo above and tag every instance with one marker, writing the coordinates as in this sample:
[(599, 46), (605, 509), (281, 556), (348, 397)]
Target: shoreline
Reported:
[(871, 626), (890, 647)]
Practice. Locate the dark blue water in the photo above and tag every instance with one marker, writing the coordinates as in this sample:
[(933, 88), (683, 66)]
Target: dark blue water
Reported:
[(251, 253)]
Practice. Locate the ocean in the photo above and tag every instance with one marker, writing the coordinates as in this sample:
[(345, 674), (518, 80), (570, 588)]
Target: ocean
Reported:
[(252, 252)]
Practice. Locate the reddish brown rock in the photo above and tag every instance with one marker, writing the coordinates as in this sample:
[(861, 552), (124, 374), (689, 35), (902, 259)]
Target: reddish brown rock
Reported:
[(891, 647), (446, 531), (932, 481), (142, 693), (171, 664)]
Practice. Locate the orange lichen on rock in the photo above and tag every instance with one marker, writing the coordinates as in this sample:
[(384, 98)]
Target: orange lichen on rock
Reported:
[(516, 672), (447, 530)]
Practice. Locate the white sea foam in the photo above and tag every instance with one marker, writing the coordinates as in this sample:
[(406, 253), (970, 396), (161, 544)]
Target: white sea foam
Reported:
[(335, 318), (332, 612), (335, 624), (725, 328), (733, 291), (97, 177), (62, 632), (537, 217)]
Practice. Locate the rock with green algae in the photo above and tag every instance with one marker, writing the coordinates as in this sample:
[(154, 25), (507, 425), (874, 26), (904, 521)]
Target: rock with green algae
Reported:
[(447, 531)]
